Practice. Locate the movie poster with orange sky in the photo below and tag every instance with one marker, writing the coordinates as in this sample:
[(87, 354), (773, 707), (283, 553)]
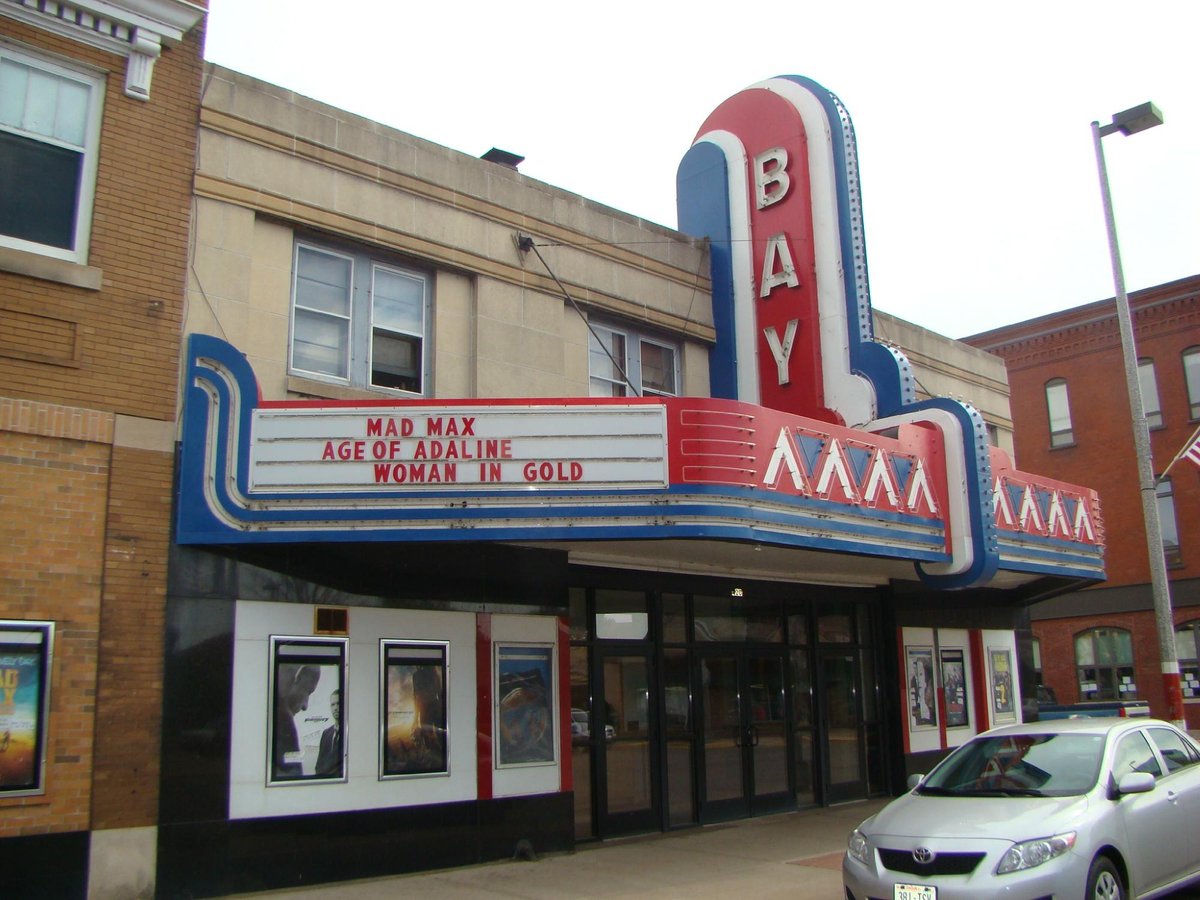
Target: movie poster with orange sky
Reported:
[(20, 710)]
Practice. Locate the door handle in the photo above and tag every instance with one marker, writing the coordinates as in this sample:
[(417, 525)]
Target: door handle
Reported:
[(753, 735)]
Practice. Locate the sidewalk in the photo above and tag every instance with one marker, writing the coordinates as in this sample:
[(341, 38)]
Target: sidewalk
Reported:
[(794, 855)]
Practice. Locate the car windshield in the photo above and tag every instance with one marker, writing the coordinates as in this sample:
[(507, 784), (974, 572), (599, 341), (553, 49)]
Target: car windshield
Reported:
[(1020, 765)]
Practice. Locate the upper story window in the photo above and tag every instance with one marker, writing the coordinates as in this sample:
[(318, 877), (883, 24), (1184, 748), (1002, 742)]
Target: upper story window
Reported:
[(1191, 377), (619, 358), (49, 133), (1150, 402), (1058, 406), (1164, 496), (359, 321), (1187, 651), (1104, 664)]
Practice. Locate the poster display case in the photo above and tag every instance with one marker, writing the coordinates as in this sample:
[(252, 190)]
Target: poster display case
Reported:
[(922, 688), (26, 651), (524, 713), (414, 739), (306, 739)]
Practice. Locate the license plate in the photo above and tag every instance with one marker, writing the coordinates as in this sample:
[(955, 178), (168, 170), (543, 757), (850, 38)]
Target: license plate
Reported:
[(914, 892)]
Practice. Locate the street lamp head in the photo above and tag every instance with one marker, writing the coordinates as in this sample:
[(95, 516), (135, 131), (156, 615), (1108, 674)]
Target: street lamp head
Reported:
[(1131, 121)]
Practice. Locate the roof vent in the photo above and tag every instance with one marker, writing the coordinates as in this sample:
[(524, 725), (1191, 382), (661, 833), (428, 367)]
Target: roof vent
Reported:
[(503, 157)]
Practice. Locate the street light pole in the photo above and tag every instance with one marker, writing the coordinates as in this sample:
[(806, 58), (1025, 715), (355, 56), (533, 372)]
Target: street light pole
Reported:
[(1131, 121)]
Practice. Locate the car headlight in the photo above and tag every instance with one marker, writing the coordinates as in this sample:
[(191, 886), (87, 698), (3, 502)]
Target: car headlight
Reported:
[(1028, 854), (859, 847)]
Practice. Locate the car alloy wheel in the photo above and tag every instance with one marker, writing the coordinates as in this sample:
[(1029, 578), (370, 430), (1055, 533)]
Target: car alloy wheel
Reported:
[(1104, 882)]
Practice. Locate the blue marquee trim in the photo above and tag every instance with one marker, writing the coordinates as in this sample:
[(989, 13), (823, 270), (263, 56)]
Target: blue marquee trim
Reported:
[(702, 189)]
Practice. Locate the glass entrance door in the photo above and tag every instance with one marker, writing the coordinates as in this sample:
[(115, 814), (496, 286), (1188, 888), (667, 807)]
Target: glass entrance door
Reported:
[(843, 769), (744, 734), (627, 773)]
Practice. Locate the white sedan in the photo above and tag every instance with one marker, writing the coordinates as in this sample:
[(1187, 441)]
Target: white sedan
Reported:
[(1102, 809)]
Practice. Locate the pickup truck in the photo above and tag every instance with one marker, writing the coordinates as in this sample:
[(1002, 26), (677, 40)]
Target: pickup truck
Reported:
[(1048, 707)]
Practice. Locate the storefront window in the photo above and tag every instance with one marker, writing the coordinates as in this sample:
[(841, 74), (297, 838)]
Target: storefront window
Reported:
[(737, 619), (801, 688), (674, 619), (621, 616), (1104, 664), (864, 617), (579, 621), (835, 628), (797, 625), (1187, 651)]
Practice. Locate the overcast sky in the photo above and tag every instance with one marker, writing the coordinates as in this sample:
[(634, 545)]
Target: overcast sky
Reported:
[(981, 198)]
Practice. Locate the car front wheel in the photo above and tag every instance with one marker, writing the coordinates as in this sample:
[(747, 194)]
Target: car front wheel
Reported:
[(1104, 881)]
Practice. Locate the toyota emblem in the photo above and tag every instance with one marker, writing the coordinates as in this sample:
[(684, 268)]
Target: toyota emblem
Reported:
[(923, 855)]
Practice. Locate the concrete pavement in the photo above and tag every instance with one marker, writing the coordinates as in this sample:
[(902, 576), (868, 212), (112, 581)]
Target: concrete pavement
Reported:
[(794, 855)]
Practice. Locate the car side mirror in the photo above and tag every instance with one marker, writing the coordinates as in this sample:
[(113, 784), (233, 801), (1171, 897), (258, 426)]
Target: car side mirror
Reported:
[(914, 780), (1135, 783)]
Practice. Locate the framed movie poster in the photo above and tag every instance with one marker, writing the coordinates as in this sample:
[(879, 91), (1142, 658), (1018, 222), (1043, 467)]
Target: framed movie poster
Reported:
[(525, 733), (413, 724), (26, 650), (954, 684), (1000, 668), (922, 689), (306, 738)]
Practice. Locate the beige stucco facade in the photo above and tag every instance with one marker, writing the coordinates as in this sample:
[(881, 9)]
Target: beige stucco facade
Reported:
[(273, 166), (949, 368)]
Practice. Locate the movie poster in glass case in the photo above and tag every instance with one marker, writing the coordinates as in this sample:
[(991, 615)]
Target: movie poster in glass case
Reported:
[(1001, 673), (414, 739), (954, 685), (26, 649), (922, 689), (525, 732), (306, 741)]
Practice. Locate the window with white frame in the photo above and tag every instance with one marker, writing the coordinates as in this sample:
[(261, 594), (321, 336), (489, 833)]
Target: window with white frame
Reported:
[(1151, 405), (1191, 377), (49, 136), (358, 320), (1058, 407), (624, 362)]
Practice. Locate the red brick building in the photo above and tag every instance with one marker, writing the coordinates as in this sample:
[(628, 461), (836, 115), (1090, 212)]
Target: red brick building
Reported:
[(97, 144), (1071, 420)]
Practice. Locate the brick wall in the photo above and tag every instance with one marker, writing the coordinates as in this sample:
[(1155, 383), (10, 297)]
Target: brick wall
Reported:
[(84, 522), (1083, 346), (124, 338), (54, 466), (1057, 637), (129, 695)]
